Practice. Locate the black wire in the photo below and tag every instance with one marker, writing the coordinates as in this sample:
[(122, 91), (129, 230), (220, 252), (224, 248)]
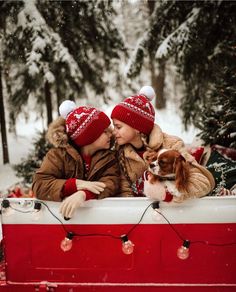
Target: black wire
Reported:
[(63, 226), (17, 210), (131, 229), (195, 241), (74, 233), (175, 230), (96, 234), (21, 211), (141, 218)]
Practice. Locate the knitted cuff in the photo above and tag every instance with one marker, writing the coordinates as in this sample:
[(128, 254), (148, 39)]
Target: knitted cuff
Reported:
[(89, 195), (168, 197), (69, 187)]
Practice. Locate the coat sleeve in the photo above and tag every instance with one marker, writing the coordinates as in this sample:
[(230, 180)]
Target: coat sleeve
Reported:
[(48, 180), (110, 176), (175, 143), (200, 183)]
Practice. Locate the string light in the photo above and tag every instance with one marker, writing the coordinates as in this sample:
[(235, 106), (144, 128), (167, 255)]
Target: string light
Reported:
[(127, 245), (6, 208), (183, 251), (66, 243)]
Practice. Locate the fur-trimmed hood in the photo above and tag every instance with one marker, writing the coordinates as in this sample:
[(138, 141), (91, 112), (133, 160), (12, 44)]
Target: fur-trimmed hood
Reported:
[(159, 139), (56, 133)]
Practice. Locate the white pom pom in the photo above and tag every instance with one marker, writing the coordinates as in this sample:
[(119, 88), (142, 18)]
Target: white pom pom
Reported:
[(66, 107), (148, 91)]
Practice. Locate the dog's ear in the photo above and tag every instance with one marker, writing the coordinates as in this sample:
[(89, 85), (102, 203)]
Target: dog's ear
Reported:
[(181, 173), (149, 155)]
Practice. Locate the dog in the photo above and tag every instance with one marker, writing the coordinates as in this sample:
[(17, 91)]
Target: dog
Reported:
[(168, 171)]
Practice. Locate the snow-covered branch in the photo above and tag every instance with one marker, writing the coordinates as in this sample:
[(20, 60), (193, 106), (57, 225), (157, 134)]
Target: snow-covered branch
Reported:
[(43, 38), (179, 37)]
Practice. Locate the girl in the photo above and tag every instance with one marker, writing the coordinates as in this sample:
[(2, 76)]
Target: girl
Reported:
[(80, 166), (135, 131)]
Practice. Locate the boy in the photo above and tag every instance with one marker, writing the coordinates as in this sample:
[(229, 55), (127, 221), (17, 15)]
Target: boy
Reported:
[(81, 165)]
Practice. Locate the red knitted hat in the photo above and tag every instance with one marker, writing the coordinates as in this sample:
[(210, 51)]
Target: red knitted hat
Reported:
[(84, 124), (137, 110)]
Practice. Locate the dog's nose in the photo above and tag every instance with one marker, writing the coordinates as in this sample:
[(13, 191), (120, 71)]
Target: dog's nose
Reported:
[(152, 165)]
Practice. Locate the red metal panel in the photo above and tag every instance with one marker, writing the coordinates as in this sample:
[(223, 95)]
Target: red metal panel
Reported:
[(33, 254), (72, 288)]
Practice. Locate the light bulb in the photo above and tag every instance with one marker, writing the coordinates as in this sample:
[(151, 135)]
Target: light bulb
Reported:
[(127, 245), (37, 211), (66, 243), (156, 213), (6, 208), (183, 251)]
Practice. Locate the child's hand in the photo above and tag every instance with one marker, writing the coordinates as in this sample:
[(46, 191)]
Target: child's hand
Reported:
[(71, 203), (95, 187)]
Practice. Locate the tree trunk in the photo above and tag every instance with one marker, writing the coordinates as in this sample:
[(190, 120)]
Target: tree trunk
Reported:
[(48, 99), (58, 98), (3, 123), (58, 90), (159, 84), (158, 81)]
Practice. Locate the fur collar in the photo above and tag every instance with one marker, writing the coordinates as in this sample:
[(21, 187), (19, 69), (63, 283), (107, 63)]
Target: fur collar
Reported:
[(156, 138)]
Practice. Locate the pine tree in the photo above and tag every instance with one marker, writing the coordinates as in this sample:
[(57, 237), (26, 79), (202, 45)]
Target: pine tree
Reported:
[(218, 124), (190, 33), (58, 49), (38, 51), (7, 11)]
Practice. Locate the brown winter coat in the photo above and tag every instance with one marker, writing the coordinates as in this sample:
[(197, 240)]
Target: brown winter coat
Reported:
[(64, 162), (201, 181)]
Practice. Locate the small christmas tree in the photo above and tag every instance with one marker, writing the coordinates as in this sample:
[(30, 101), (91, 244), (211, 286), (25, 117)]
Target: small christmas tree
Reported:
[(27, 167), (218, 124)]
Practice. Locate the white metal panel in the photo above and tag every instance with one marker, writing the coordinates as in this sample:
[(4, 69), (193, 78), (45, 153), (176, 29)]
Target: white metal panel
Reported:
[(128, 211)]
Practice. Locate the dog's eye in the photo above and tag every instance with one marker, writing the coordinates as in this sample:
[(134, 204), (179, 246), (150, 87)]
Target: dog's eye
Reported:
[(148, 158), (162, 162)]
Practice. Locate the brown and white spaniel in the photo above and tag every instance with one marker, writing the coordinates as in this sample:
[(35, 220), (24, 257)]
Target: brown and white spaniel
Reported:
[(167, 170)]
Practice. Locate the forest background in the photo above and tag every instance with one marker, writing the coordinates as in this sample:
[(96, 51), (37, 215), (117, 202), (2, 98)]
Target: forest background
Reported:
[(99, 52)]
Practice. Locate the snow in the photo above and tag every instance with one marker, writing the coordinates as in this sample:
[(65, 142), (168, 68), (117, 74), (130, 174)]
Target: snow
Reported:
[(19, 146)]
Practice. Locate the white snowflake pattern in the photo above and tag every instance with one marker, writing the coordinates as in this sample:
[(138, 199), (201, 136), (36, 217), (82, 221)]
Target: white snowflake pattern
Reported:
[(138, 101), (222, 168), (72, 125), (86, 108), (137, 186), (79, 116)]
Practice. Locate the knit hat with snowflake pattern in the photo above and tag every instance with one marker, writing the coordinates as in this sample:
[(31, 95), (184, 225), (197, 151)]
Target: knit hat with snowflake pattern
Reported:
[(84, 124), (137, 110)]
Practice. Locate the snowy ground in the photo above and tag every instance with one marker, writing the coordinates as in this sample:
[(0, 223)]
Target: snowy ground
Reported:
[(169, 120)]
